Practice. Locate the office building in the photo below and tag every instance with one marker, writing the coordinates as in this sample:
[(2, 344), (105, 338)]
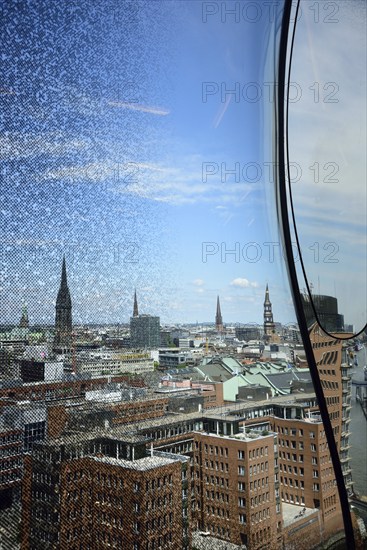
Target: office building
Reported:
[(144, 331)]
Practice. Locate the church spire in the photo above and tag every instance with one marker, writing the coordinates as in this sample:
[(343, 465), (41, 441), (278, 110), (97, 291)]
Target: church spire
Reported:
[(267, 299), (24, 321), (269, 325), (136, 310), (218, 317), (63, 322)]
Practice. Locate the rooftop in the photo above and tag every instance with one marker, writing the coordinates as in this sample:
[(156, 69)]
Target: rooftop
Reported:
[(142, 464), (293, 513), (242, 436)]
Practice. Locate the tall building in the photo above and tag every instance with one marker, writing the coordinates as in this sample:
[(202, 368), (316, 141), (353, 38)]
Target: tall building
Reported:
[(145, 331), (335, 376), (247, 333), (63, 323), (136, 310), (218, 317), (269, 325), (327, 312), (236, 488)]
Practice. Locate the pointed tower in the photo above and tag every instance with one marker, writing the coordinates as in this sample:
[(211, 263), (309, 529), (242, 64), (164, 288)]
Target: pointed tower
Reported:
[(136, 310), (269, 326), (63, 324), (218, 317), (24, 321)]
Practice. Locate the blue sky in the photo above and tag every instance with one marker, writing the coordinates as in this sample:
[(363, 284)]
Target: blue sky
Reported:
[(111, 154)]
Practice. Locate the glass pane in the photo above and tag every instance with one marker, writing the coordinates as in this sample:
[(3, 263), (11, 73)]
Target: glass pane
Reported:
[(154, 388), (327, 145)]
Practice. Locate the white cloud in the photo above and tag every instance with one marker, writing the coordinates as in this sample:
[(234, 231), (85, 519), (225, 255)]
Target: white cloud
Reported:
[(244, 283), (198, 282)]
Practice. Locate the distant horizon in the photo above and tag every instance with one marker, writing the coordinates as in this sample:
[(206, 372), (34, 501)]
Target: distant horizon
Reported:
[(228, 324)]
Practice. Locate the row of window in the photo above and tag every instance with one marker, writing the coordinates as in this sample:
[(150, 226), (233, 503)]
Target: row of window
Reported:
[(326, 343), (328, 485), (219, 481), (172, 431), (10, 438), (220, 512), (327, 385), (285, 481), (258, 468), (334, 400), (11, 451), (289, 431), (215, 495), (213, 449), (105, 498), (260, 516), (254, 453), (156, 483), (260, 499), (45, 478), (293, 499), (327, 372), (9, 464), (210, 464), (46, 515), (158, 503), (43, 496), (259, 483), (294, 457), (291, 470)]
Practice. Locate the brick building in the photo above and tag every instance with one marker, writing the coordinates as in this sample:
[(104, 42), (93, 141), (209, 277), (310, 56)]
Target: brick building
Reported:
[(95, 493), (236, 488)]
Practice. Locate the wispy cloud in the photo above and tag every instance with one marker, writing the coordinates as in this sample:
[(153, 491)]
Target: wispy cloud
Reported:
[(153, 110), (176, 185), (16, 145)]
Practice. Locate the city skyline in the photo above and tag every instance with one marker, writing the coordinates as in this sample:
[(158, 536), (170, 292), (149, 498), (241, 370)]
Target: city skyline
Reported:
[(63, 305), (101, 162)]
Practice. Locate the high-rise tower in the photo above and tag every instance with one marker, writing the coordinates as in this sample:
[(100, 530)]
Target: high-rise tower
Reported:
[(218, 317), (269, 325), (63, 323), (136, 310)]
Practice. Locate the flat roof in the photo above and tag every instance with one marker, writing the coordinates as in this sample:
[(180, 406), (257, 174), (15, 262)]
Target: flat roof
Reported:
[(247, 437), (292, 513), (141, 464)]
